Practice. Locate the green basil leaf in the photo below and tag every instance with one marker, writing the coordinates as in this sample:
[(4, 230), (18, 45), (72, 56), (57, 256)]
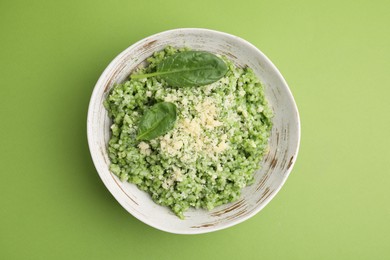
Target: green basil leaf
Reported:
[(189, 68), (157, 121)]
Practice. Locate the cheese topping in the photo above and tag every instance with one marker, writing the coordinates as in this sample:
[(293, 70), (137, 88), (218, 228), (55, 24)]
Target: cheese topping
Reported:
[(144, 148), (195, 137)]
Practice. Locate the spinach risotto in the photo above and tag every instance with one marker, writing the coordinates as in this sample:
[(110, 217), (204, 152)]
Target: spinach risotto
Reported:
[(188, 145)]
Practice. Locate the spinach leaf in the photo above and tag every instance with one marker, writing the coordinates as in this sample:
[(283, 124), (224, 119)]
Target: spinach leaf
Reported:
[(157, 121), (189, 68)]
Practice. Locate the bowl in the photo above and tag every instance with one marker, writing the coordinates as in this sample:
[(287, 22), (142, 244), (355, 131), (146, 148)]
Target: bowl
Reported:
[(276, 165)]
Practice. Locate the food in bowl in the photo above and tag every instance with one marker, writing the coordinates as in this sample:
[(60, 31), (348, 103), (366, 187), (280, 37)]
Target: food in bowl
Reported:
[(208, 154)]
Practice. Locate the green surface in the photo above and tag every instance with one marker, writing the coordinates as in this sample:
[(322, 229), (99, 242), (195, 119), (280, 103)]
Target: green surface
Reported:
[(335, 55)]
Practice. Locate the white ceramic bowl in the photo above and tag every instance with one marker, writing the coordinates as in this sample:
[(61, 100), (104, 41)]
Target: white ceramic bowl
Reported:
[(276, 166)]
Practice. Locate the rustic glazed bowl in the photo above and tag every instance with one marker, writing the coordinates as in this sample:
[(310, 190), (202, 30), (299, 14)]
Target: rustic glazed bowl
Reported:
[(275, 167)]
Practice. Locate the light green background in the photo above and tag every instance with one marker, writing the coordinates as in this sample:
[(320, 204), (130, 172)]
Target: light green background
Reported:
[(335, 55)]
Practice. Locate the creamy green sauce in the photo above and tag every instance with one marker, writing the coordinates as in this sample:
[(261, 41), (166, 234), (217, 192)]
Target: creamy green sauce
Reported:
[(218, 141)]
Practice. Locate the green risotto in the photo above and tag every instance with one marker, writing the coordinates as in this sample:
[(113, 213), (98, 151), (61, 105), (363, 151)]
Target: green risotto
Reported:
[(216, 144)]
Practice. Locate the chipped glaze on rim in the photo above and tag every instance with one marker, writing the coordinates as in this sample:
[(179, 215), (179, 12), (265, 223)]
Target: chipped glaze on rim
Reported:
[(276, 165)]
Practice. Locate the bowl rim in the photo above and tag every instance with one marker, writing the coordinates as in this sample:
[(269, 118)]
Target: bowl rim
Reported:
[(196, 30)]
